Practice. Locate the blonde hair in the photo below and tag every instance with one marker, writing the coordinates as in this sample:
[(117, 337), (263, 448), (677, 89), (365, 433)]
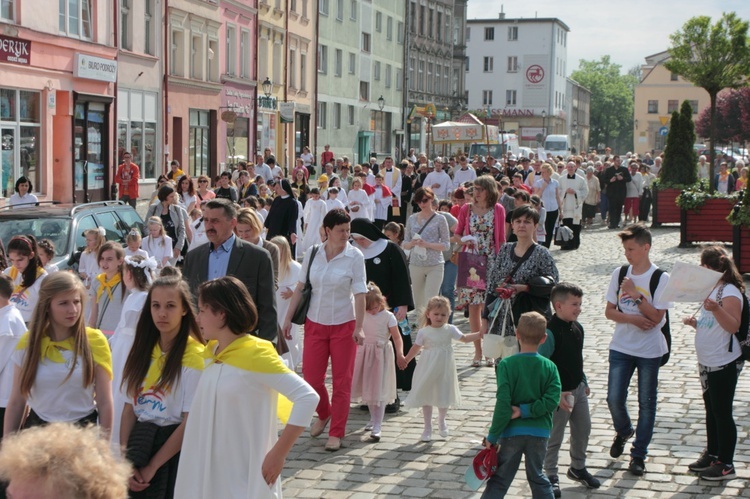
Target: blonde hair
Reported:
[(133, 235), (249, 216), (548, 168), (99, 240), (53, 285), (532, 327), (73, 462), (285, 255), (162, 232), (440, 302), (374, 298)]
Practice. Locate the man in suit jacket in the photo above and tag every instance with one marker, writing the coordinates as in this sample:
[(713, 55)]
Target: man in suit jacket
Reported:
[(225, 254)]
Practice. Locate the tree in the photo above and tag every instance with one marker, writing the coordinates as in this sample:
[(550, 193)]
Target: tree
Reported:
[(713, 57), (680, 162), (732, 117), (611, 115)]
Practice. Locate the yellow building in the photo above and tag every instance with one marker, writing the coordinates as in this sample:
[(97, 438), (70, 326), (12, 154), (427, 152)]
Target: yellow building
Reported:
[(659, 93), (272, 47)]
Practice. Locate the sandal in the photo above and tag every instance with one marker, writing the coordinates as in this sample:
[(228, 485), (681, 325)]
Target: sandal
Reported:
[(490, 362), (476, 362)]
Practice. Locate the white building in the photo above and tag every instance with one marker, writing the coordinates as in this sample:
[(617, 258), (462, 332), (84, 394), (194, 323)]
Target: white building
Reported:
[(516, 74)]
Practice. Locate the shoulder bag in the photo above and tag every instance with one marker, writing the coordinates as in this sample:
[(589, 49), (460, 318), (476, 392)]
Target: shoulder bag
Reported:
[(300, 313)]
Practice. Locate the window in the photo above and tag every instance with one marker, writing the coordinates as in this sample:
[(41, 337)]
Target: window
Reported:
[(468, 34), (136, 129), (292, 68), (413, 17), (439, 31), (467, 64), (196, 57), (422, 19), (339, 10), (364, 90), (412, 79), (437, 79), (352, 63), (353, 13), (388, 69), (293, 5), (379, 22), (336, 115), (20, 114), (263, 61), (338, 62), (126, 37), (366, 42), (510, 97), (489, 34), (420, 83), (486, 97), (304, 9), (149, 26), (400, 32), (177, 60), (322, 59), (323, 7), (399, 77), (512, 64), (489, 63), (75, 18), (231, 50), (376, 70), (303, 71), (694, 106), (212, 59), (429, 77), (674, 77), (389, 28), (199, 146), (653, 107), (431, 23), (512, 33), (278, 58), (672, 106), (245, 54), (350, 113), (322, 115), (7, 10)]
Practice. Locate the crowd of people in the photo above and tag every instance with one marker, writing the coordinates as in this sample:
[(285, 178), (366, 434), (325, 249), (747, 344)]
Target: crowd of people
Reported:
[(170, 342)]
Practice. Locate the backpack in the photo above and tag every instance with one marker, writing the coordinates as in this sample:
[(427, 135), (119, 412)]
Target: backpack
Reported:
[(743, 338), (652, 285)]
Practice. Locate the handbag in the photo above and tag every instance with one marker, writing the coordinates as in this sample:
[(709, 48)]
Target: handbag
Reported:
[(498, 346), (563, 234), (472, 271), (300, 313)]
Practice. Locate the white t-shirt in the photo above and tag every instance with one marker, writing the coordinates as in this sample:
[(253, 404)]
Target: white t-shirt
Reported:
[(25, 299), (51, 268), (199, 234), (89, 265), (21, 202), (158, 248), (711, 340), (138, 252), (166, 409), (12, 328), (627, 338)]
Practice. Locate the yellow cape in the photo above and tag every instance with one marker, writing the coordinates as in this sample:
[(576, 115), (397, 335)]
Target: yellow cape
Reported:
[(192, 358), (51, 349)]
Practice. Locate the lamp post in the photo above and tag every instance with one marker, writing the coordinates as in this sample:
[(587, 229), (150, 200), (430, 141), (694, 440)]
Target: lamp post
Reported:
[(381, 105), (267, 87)]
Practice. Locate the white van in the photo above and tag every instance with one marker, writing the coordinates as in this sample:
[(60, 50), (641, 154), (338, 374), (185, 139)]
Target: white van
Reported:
[(508, 143), (557, 145)]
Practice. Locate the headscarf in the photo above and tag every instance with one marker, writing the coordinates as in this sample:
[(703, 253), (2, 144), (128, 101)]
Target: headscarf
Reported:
[(362, 227), (287, 187)]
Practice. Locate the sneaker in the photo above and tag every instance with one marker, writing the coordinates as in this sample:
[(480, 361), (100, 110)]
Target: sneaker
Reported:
[(555, 481), (618, 446), (583, 476), (718, 472), (637, 466), (703, 463)]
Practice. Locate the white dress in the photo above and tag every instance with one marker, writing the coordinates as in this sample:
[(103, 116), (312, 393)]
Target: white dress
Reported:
[(381, 205), (294, 356), (361, 197), (315, 212), (374, 379), (120, 343), (435, 380), (160, 248)]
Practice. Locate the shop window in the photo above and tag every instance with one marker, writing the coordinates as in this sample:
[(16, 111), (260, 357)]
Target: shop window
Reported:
[(20, 138), (75, 18), (199, 146), (238, 140)]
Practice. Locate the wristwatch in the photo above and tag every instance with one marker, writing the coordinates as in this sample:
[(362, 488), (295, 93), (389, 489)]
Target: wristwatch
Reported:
[(639, 300)]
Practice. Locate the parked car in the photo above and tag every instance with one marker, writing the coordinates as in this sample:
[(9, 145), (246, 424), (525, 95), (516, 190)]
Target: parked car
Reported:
[(64, 224)]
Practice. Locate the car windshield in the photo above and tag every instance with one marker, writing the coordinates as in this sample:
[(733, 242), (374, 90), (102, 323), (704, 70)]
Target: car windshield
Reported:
[(496, 150), (54, 229), (553, 145)]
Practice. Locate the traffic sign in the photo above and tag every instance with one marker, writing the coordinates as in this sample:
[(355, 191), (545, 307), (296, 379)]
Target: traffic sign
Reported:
[(663, 131)]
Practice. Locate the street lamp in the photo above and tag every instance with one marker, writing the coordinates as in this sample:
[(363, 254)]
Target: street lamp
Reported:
[(381, 102), (381, 105), (267, 87)]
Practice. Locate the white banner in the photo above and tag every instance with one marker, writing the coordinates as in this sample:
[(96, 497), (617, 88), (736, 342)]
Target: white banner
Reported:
[(689, 283)]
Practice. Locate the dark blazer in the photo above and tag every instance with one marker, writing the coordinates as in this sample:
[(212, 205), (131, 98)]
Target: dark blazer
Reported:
[(250, 264), (730, 183)]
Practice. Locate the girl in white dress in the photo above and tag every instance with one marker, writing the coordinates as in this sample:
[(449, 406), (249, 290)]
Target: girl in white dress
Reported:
[(332, 200), (359, 201), (315, 212), (158, 244), (133, 244), (374, 378), (435, 382), (27, 273), (88, 264), (46, 254), (288, 278), (137, 277)]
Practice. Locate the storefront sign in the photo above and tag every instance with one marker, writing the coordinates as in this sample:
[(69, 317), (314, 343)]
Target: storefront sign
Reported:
[(15, 50), (95, 68), (302, 108), (266, 102), (532, 133), (240, 102), (507, 112), (286, 111)]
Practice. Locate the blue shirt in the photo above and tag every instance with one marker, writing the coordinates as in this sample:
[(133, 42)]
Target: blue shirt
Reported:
[(218, 258)]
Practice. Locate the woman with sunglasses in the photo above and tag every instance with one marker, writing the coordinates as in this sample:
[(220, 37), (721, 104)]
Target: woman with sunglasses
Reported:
[(204, 194)]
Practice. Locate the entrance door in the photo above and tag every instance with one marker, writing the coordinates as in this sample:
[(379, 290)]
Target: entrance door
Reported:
[(7, 160), (364, 145), (90, 152)]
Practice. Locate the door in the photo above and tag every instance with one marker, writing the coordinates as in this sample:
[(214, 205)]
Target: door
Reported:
[(90, 152), (7, 159)]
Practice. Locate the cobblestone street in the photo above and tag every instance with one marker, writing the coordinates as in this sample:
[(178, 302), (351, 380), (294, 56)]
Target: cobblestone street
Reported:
[(401, 465)]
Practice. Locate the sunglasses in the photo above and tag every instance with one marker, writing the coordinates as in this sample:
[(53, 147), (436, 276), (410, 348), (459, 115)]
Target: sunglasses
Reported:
[(203, 181), (425, 200)]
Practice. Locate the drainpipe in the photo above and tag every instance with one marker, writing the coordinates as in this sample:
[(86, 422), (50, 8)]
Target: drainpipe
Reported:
[(115, 158), (255, 101), (165, 81), (286, 95), (315, 93)]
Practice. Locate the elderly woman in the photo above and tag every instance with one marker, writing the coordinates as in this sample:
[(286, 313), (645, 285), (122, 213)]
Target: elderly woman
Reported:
[(548, 189), (333, 327), (173, 218)]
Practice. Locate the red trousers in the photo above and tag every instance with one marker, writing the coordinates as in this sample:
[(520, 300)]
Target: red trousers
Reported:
[(334, 342)]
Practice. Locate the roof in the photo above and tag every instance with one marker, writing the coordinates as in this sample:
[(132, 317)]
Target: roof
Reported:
[(518, 20)]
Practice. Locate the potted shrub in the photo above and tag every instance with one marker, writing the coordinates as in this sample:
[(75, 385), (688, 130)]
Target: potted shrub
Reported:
[(703, 215), (739, 218)]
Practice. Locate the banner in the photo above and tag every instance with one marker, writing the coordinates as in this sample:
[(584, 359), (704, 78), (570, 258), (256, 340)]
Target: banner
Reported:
[(286, 111)]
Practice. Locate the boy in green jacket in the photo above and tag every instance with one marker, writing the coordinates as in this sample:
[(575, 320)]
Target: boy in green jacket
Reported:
[(528, 392)]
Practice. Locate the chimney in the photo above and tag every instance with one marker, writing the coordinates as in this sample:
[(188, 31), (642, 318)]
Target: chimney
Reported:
[(501, 15)]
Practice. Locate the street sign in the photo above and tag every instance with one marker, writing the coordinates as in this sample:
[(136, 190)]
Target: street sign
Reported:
[(663, 131)]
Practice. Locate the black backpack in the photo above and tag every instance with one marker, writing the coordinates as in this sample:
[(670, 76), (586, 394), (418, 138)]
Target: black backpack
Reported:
[(652, 285), (743, 338)]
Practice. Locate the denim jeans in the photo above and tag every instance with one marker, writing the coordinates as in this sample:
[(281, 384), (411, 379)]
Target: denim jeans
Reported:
[(509, 458), (448, 287), (621, 368), (604, 204)]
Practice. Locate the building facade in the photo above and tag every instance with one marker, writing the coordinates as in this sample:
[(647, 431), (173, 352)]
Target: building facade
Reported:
[(516, 75), (657, 95), (272, 40), (360, 77), (579, 116)]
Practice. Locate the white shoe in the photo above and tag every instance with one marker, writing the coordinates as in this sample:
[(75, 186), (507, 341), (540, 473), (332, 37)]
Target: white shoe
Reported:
[(368, 426), (443, 430), (426, 435)]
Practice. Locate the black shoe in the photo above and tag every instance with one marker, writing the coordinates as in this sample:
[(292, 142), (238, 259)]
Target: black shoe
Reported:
[(637, 466), (719, 471), (703, 463), (555, 481), (394, 407), (584, 477), (618, 446), (364, 407)]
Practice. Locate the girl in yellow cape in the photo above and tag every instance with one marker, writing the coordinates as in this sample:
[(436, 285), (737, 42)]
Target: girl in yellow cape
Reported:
[(107, 291), (160, 378), (231, 448), (63, 370)]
